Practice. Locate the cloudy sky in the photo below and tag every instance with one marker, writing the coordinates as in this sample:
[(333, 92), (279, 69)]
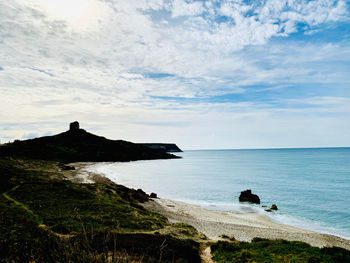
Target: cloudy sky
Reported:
[(206, 74)]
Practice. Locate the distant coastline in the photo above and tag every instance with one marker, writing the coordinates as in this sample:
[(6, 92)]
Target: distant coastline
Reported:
[(166, 147)]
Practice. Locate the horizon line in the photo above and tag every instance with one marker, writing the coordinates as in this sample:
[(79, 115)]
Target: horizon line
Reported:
[(272, 148)]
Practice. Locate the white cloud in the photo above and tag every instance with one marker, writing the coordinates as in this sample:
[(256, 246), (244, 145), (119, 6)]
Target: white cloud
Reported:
[(58, 68), (186, 8), (156, 4)]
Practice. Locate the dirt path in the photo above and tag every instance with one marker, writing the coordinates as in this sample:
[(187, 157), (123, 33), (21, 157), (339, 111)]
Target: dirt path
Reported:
[(206, 252), (21, 205), (37, 219), (48, 229)]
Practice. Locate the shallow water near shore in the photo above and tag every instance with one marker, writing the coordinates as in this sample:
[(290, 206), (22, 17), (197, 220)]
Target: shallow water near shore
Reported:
[(311, 187)]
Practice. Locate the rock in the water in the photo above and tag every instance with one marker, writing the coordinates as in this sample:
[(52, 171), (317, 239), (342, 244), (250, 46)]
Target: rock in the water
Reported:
[(263, 206), (273, 207), (247, 196), (153, 195), (268, 210)]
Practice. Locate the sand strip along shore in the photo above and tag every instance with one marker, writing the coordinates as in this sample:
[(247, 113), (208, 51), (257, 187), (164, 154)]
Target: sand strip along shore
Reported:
[(212, 223), (243, 226)]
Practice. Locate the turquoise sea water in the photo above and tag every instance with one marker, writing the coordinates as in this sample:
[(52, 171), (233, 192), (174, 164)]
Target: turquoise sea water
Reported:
[(311, 187)]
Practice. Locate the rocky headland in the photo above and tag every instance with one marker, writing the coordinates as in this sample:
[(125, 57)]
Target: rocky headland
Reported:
[(166, 147), (78, 145)]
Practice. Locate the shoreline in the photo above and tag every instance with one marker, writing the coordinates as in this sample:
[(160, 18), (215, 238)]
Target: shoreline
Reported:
[(243, 226), (213, 223)]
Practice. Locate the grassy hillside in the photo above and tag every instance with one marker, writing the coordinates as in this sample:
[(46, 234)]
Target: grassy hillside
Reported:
[(44, 218)]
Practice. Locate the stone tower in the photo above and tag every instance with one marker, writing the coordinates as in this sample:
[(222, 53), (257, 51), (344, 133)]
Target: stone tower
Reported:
[(74, 126)]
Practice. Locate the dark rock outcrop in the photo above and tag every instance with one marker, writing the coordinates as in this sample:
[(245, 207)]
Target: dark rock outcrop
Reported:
[(141, 196), (153, 195), (247, 196), (273, 207)]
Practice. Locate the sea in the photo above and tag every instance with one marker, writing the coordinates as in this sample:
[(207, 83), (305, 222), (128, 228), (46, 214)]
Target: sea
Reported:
[(311, 187)]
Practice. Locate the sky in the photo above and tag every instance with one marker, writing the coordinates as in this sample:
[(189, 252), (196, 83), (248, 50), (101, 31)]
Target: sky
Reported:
[(204, 74)]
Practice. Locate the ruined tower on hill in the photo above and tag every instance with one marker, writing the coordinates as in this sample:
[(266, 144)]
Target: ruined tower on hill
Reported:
[(74, 126)]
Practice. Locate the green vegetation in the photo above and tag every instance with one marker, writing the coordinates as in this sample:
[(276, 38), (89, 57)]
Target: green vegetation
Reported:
[(261, 250), (44, 218)]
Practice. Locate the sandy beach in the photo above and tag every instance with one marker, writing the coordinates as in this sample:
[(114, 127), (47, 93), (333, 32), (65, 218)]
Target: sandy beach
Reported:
[(82, 175), (243, 226), (212, 223)]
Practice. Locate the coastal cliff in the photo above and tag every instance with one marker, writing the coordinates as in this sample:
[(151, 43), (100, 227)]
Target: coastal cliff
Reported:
[(166, 147)]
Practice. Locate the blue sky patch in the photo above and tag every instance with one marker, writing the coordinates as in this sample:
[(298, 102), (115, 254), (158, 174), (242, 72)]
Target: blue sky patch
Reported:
[(42, 71), (158, 75)]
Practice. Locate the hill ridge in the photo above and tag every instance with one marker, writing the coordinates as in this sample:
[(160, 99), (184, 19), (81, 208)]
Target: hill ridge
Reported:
[(79, 145)]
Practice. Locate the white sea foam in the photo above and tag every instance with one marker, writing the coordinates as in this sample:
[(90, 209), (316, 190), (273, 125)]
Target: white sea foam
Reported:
[(277, 217), (307, 224)]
